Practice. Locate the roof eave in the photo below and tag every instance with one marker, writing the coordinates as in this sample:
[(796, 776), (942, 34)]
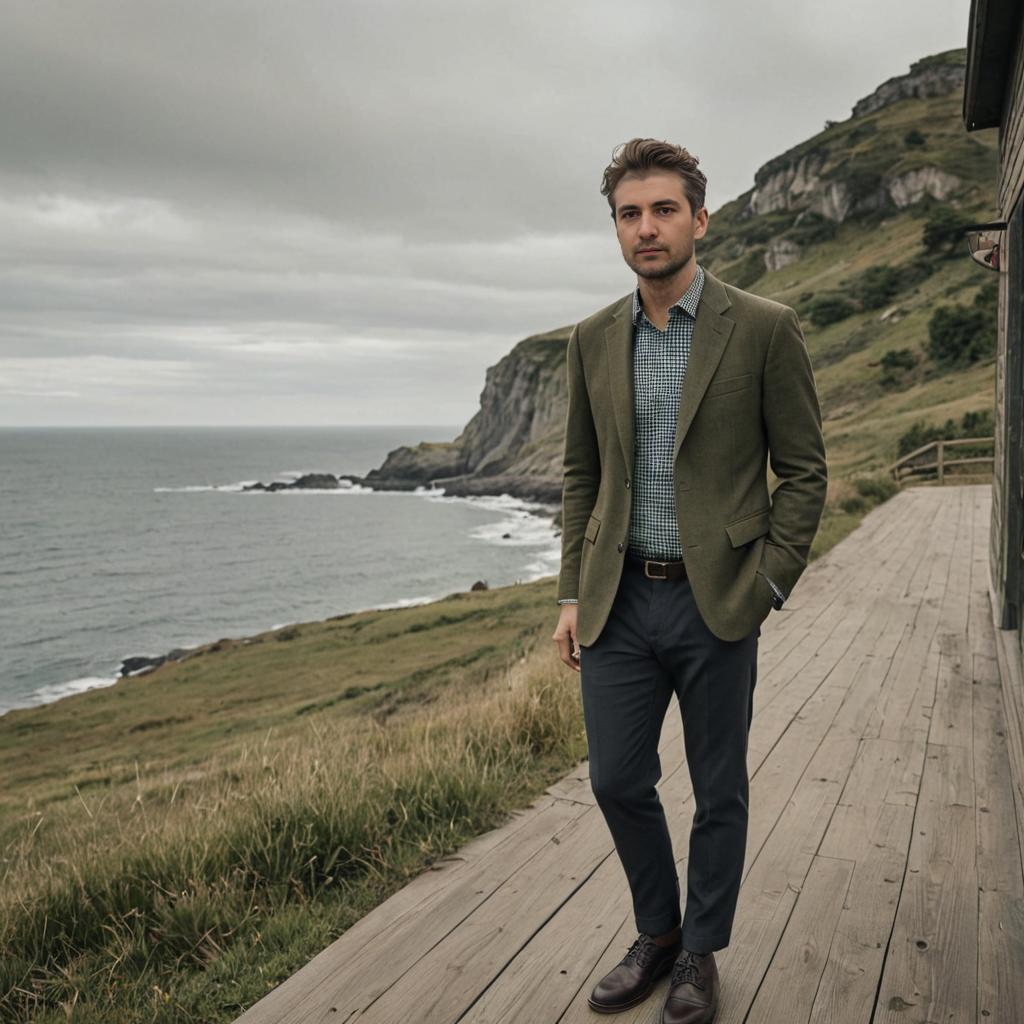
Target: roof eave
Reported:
[(991, 36)]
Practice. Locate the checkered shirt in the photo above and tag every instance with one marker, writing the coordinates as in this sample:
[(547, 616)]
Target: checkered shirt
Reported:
[(659, 367)]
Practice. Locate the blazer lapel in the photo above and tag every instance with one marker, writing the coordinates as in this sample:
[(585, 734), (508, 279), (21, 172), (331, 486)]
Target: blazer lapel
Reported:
[(711, 332), (618, 337)]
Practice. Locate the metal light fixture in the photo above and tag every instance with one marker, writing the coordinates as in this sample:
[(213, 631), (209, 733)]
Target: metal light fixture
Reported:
[(985, 244)]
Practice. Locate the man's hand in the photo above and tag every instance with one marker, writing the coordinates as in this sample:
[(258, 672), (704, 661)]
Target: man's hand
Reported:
[(565, 637)]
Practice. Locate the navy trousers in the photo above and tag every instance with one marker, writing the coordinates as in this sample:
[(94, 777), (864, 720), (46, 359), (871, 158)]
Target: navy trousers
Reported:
[(654, 644)]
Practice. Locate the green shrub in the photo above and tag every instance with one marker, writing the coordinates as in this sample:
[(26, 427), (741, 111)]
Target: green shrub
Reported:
[(812, 228), (943, 231), (829, 309), (876, 286), (960, 335), (876, 488), (973, 424), (747, 270), (914, 138), (914, 272), (899, 359)]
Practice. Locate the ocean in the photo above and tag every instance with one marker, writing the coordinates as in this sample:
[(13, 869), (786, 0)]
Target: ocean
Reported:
[(117, 542)]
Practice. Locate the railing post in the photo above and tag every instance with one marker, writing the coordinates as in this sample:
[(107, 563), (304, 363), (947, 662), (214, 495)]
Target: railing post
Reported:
[(938, 463)]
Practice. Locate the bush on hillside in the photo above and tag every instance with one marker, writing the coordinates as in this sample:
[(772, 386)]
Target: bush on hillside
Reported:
[(957, 336), (895, 365), (961, 335), (876, 286), (748, 270), (871, 491), (973, 424), (914, 272), (899, 359), (944, 231), (914, 138), (812, 228), (829, 309)]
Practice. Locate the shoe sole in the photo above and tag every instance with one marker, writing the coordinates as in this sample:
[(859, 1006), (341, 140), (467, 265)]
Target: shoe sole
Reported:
[(636, 1000)]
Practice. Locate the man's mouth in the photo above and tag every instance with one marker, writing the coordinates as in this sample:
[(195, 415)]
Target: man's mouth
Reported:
[(640, 252)]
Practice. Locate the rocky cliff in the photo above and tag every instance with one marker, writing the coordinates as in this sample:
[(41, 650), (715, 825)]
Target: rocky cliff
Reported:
[(513, 445)]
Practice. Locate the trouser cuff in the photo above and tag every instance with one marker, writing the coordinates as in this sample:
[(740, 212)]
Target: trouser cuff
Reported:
[(705, 943), (660, 925)]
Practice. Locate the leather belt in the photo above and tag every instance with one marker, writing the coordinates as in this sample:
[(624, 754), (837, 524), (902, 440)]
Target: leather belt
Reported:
[(655, 570)]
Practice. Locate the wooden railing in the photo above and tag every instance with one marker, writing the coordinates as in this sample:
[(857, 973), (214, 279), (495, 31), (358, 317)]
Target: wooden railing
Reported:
[(917, 461)]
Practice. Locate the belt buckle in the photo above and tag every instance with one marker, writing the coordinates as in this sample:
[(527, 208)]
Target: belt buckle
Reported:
[(647, 570)]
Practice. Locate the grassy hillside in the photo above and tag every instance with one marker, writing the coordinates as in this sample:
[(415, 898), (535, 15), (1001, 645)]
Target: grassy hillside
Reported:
[(864, 412)]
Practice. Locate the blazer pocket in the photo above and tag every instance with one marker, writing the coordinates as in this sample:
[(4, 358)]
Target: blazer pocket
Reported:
[(729, 384), (593, 525), (750, 527)]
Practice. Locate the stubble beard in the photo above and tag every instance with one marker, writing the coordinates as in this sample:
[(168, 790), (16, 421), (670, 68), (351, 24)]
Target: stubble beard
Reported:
[(669, 269)]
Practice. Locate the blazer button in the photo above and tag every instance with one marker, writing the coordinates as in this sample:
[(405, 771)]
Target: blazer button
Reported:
[(627, 483), (620, 547)]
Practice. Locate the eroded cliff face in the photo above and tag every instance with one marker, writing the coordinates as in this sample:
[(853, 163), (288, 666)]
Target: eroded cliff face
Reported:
[(513, 445), (927, 78), (836, 179)]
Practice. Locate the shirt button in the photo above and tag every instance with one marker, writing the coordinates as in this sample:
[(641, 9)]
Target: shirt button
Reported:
[(620, 547)]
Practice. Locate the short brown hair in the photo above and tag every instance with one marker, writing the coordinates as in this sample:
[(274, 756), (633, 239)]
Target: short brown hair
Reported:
[(642, 156)]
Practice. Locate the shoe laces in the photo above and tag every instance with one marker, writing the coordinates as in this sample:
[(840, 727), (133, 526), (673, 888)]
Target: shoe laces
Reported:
[(642, 951), (686, 969)]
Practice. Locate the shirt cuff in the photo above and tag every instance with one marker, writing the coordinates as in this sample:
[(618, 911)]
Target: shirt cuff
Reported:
[(780, 597)]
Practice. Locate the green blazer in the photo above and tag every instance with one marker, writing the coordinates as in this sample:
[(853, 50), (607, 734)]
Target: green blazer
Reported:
[(748, 397)]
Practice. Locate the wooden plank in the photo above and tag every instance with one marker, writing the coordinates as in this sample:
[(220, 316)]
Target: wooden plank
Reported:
[(952, 712), (908, 702), (1000, 866), (849, 980), (1000, 958), (931, 968), (791, 984)]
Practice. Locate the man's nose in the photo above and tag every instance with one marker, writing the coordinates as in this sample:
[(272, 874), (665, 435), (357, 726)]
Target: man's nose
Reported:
[(648, 225)]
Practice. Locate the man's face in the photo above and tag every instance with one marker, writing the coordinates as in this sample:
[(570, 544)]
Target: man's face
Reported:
[(654, 223)]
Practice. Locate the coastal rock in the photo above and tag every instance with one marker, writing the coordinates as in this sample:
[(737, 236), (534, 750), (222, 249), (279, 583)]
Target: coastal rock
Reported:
[(308, 481), (414, 467), (140, 664)]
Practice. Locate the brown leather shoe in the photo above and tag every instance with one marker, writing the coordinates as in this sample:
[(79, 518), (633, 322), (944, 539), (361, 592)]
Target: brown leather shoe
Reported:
[(633, 980), (693, 990)]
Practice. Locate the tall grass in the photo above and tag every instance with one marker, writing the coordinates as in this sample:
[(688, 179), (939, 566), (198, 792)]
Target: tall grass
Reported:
[(186, 901)]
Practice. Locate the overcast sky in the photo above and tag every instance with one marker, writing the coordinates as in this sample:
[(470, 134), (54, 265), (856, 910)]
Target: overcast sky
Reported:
[(219, 212)]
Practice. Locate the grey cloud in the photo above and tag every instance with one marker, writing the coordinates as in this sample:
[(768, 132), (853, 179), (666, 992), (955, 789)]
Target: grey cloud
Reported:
[(290, 199)]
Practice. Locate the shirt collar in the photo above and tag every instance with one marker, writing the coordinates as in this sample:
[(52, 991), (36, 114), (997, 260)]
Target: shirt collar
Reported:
[(688, 302)]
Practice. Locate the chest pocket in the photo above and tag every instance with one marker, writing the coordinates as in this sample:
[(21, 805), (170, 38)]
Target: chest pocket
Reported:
[(729, 384)]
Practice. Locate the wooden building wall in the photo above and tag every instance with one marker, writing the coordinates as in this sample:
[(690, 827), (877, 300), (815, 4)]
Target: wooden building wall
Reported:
[(1007, 535)]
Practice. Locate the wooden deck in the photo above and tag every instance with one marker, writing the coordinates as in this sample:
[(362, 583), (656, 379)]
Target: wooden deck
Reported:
[(883, 878)]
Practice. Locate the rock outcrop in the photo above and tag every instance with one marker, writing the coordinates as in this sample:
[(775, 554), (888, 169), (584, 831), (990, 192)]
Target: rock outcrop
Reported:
[(513, 445), (933, 76)]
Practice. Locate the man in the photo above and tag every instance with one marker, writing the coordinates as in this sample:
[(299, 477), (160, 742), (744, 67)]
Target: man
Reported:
[(673, 553)]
